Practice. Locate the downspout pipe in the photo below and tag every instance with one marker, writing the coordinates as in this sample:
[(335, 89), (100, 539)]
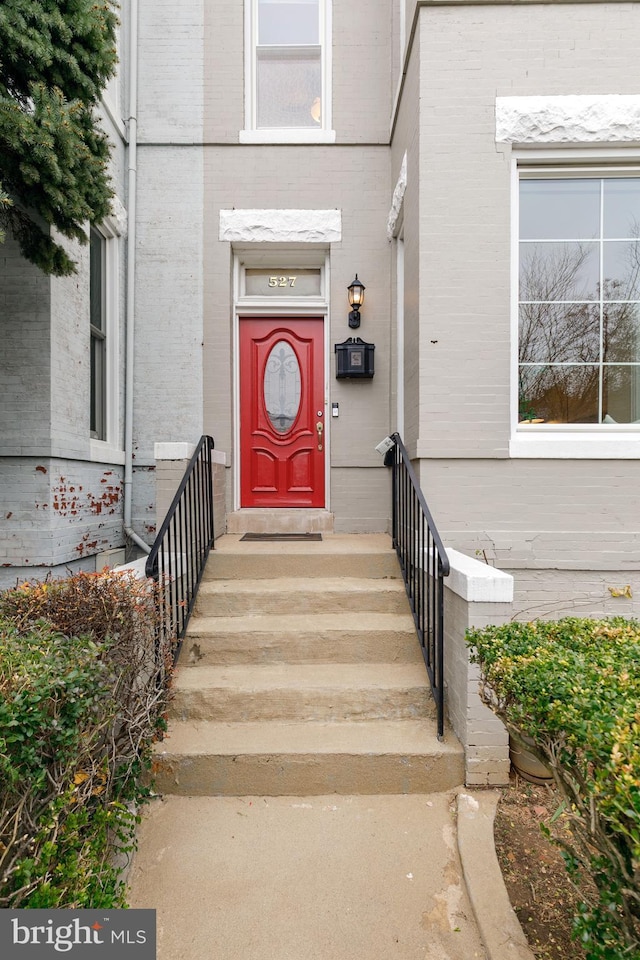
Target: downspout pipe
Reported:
[(132, 171)]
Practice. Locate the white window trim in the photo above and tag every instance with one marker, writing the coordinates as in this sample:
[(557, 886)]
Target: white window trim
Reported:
[(110, 450), (563, 441), (251, 134)]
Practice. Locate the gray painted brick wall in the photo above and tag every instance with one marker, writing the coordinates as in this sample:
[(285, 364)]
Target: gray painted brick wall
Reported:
[(526, 513)]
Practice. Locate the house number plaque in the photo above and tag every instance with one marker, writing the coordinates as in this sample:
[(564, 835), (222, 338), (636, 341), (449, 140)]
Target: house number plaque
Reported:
[(282, 283)]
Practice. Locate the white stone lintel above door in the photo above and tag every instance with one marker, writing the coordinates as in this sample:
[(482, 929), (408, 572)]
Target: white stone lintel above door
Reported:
[(281, 226)]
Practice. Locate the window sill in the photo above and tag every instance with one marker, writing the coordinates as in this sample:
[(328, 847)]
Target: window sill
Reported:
[(102, 452), (572, 444), (301, 135)]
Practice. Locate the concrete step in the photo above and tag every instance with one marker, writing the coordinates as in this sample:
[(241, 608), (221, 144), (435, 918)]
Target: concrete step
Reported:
[(366, 555), (302, 595), (267, 520), (316, 638), (301, 675), (201, 758), (307, 692)]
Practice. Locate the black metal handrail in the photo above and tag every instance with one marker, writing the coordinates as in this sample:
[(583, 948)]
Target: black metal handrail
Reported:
[(424, 564), (182, 545)]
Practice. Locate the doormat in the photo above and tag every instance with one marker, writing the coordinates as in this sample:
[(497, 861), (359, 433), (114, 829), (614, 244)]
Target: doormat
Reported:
[(281, 536)]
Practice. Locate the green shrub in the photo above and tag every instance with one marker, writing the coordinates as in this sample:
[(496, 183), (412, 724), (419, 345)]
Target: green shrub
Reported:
[(83, 689), (573, 686)]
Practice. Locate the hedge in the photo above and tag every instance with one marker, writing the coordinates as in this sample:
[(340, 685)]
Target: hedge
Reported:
[(573, 687), (83, 691)]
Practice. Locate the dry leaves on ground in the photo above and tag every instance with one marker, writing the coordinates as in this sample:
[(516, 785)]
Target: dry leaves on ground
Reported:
[(533, 870)]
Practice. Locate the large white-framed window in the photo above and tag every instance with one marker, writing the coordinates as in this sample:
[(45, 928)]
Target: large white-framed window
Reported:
[(577, 310), (104, 263), (287, 71)]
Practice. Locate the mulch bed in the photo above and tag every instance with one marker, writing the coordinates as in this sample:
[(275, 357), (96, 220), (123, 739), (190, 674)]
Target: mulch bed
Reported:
[(541, 894)]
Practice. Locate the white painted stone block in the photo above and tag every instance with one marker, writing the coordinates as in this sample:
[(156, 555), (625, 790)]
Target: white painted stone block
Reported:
[(173, 451), (478, 582), (568, 119), (281, 226)]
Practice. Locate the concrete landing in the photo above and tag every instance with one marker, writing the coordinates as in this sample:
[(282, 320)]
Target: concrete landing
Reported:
[(312, 878), (336, 555)]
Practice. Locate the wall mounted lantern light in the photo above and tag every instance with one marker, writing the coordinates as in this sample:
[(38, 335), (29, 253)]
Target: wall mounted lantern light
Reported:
[(356, 300)]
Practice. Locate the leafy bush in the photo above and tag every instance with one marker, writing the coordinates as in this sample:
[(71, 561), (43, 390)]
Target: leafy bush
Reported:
[(573, 687), (83, 689)]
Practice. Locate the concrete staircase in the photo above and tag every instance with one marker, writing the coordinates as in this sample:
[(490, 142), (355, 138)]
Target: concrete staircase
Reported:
[(301, 675)]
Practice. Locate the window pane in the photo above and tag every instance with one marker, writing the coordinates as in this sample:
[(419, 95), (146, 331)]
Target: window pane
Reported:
[(622, 208), (97, 322), (621, 332), (282, 388), (559, 209), (294, 22), (559, 271), (96, 410), (282, 282), (96, 244), (559, 394), (289, 89), (621, 270), (552, 332), (621, 394)]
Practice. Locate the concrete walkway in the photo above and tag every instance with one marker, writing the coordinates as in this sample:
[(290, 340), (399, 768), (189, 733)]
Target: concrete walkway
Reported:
[(325, 878), (358, 868), (312, 878)]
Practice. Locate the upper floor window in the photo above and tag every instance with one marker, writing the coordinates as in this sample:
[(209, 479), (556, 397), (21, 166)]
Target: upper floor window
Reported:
[(579, 300), (104, 364), (288, 89)]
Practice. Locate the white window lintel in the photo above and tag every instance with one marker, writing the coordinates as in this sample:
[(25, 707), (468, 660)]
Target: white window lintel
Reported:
[(605, 118)]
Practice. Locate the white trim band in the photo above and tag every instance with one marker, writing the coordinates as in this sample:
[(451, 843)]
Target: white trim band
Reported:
[(294, 136)]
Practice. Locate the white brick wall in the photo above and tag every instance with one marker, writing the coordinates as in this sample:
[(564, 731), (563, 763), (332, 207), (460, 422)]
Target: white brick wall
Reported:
[(59, 509), (168, 398), (25, 380), (57, 512), (170, 71)]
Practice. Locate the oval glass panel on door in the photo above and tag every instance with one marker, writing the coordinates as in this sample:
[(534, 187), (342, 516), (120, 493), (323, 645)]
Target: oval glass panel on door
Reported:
[(282, 412)]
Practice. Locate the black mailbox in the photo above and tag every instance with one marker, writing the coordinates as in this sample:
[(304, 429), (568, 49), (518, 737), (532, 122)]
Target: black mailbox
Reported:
[(354, 359)]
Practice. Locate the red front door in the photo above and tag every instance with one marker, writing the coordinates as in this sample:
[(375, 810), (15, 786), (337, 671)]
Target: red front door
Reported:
[(282, 428)]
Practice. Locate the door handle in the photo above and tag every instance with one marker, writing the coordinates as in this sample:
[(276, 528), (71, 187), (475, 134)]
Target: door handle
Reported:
[(319, 429)]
